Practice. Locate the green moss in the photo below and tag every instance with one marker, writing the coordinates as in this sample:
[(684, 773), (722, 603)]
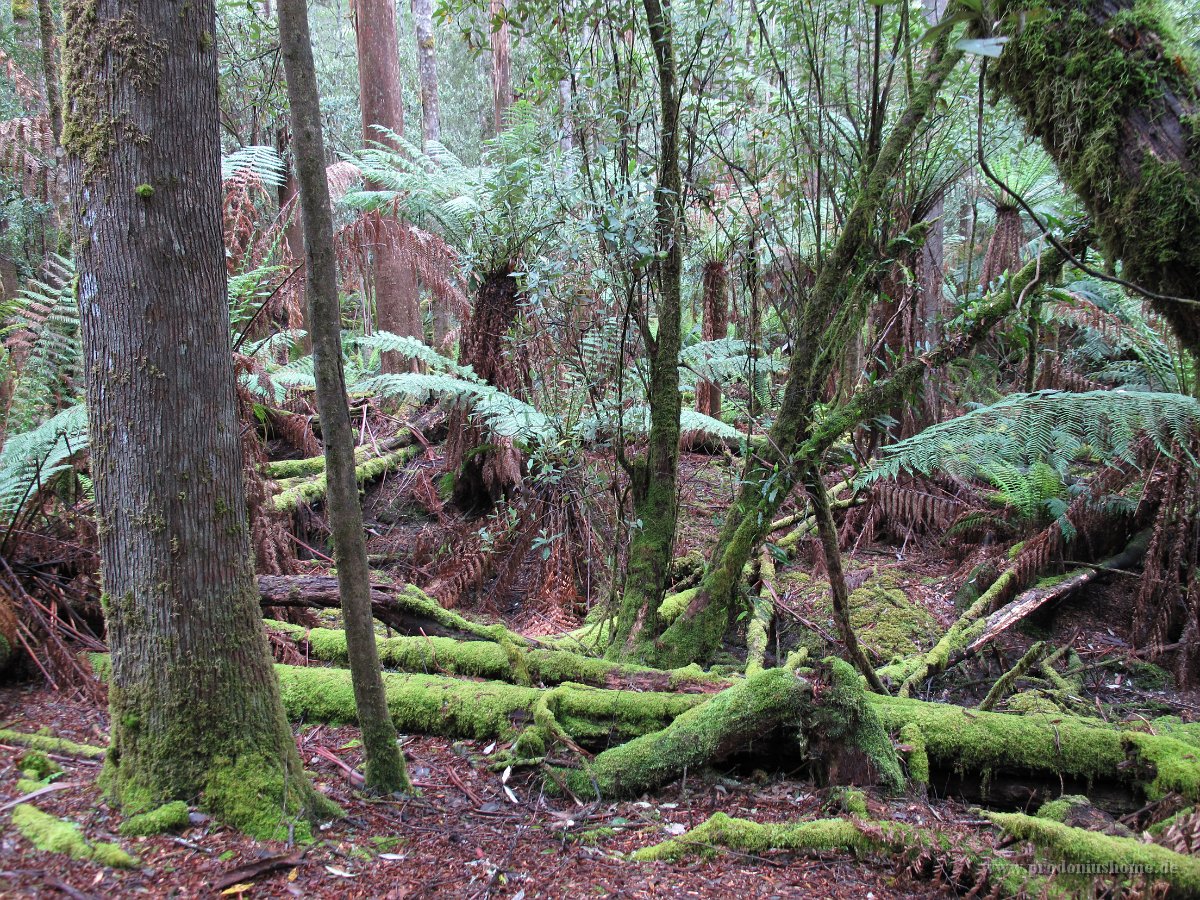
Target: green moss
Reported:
[(145, 191), (50, 744), (59, 836), (915, 756), (37, 765), (1058, 810), (1176, 764), (168, 817), (1104, 854), (29, 785), (887, 623), (1033, 702)]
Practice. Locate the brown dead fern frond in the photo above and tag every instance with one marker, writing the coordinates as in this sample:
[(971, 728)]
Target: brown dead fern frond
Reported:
[(24, 86)]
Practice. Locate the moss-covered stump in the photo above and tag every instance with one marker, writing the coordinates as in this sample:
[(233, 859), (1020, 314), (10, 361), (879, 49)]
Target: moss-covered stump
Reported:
[(824, 716), (502, 661), (964, 868), (1088, 856), (60, 836), (997, 751)]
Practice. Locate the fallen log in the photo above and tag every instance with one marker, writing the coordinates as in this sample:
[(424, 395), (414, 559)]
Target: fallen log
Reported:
[(310, 490), (500, 662), (1035, 598), (404, 608)]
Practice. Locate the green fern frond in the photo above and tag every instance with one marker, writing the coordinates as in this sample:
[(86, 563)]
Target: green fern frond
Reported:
[(386, 342), (263, 163), (1047, 426), (34, 458)]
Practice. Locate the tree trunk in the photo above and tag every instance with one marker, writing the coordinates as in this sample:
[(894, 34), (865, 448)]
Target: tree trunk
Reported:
[(501, 70), (1106, 86), (396, 302), (385, 771), (431, 125), (50, 66), (431, 130), (195, 706), (697, 632), (654, 479), (714, 327)]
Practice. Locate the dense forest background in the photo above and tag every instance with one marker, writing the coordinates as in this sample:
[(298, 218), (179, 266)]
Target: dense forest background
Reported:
[(695, 442)]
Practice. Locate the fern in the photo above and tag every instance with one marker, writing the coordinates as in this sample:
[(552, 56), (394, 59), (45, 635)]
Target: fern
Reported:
[(1048, 426), (411, 348), (35, 458), (263, 163), (43, 340)]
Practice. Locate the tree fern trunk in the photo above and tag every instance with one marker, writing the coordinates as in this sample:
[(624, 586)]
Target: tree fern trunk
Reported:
[(195, 704)]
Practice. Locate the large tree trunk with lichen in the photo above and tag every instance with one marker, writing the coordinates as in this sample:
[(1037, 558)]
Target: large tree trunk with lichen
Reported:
[(385, 770), (1110, 89), (195, 704), (821, 338), (654, 478), (395, 281)]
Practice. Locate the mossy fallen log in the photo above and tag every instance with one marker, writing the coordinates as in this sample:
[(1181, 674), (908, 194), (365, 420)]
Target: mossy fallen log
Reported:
[(1087, 855), (312, 489), (824, 713), (49, 744), (963, 868), (1041, 755), (405, 608), (285, 470), (54, 835), (501, 661)]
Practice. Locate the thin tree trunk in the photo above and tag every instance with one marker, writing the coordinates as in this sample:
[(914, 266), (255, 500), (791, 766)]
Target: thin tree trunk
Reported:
[(195, 705), (501, 68), (654, 479), (431, 125), (396, 301), (714, 327), (431, 130), (385, 770), (50, 66)]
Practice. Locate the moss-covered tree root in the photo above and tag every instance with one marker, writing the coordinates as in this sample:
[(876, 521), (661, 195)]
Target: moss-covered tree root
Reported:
[(502, 661), (824, 714), (1089, 855), (858, 837)]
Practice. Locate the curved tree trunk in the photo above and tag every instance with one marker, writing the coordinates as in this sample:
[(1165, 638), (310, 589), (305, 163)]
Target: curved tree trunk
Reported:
[(385, 770), (396, 301), (1112, 92), (195, 704)]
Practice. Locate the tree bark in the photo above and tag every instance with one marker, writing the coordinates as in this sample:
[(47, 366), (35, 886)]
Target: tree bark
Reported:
[(654, 479), (385, 770), (1107, 87), (195, 705), (50, 66), (714, 327), (501, 68), (431, 124), (396, 301)]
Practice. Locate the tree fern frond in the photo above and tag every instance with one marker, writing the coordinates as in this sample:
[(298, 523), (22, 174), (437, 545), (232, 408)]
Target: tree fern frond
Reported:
[(33, 458), (260, 162), (411, 348), (1025, 428)]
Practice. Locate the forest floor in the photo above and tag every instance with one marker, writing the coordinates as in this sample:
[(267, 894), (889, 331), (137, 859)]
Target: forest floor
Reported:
[(471, 835)]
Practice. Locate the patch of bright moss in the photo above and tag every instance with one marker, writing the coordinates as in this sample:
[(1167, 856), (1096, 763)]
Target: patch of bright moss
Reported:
[(60, 836), (37, 765), (168, 817)]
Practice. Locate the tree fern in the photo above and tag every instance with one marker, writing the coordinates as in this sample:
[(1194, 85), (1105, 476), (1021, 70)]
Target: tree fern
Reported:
[(1047, 426), (262, 163)]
